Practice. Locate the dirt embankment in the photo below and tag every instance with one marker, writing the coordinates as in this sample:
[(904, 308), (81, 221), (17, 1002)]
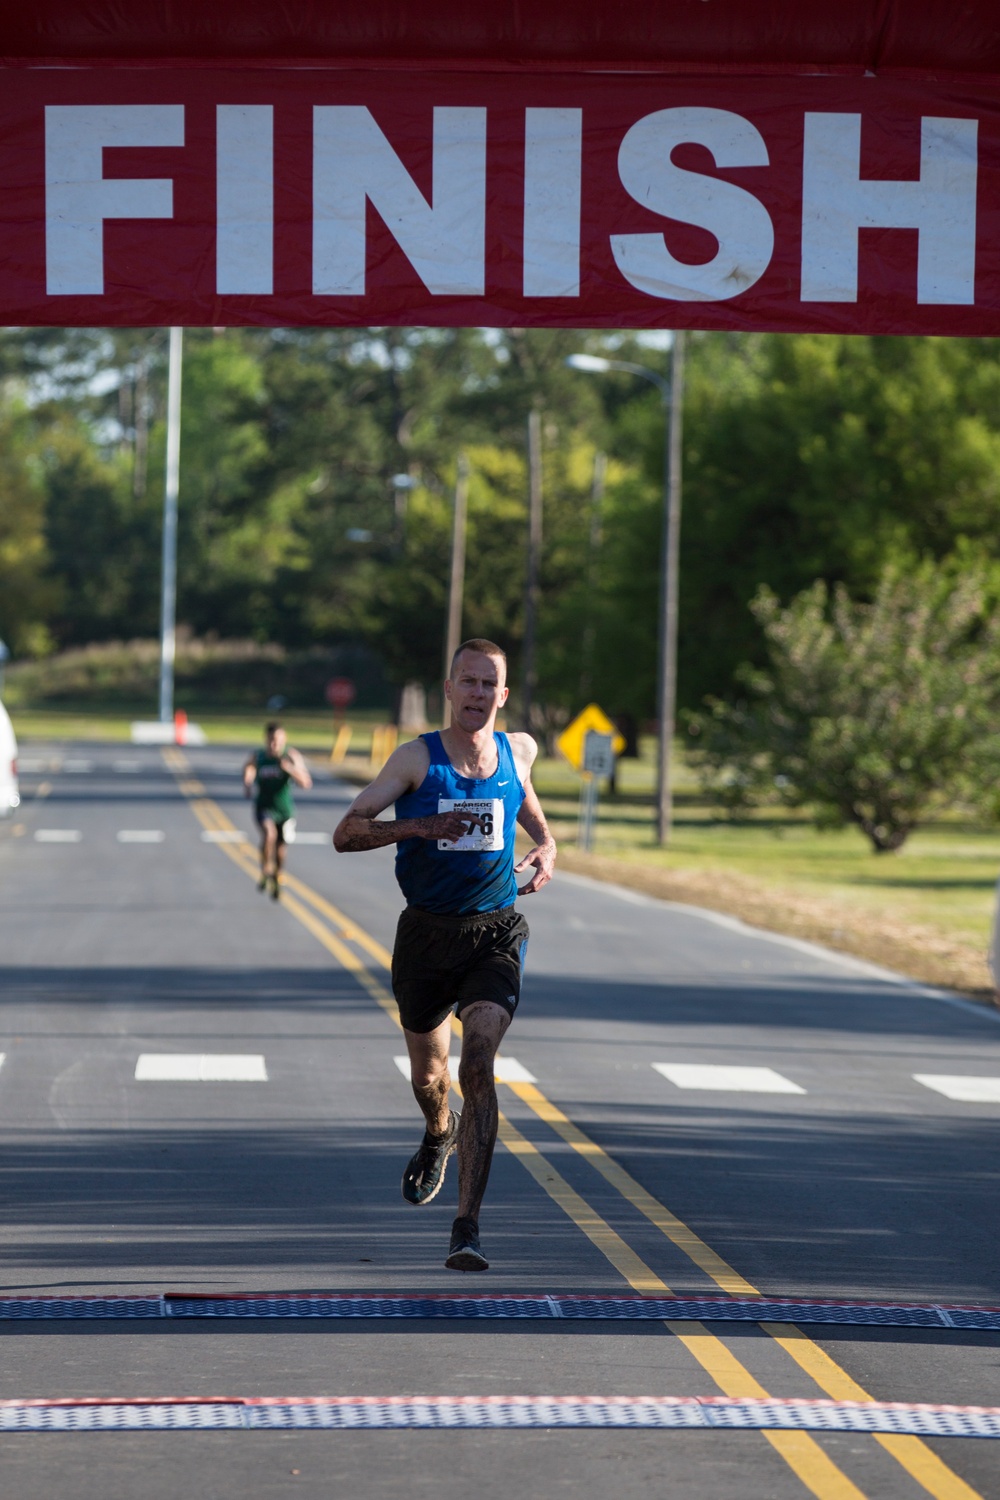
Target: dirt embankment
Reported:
[(910, 948)]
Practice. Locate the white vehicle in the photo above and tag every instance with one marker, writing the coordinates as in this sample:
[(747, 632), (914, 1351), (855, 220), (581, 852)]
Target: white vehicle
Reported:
[(9, 795)]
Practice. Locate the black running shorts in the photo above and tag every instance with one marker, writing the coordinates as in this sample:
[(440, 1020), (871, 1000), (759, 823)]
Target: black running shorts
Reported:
[(267, 815), (441, 963)]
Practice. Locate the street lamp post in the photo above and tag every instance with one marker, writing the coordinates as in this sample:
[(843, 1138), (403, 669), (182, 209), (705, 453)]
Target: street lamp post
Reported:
[(168, 583), (456, 586), (672, 397), (402, 484)]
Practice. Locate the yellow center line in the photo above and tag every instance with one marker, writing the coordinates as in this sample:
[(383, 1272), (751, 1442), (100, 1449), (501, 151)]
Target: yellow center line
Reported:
[(633, 1192), (804, 1456), (914, 1455), (348, 929)]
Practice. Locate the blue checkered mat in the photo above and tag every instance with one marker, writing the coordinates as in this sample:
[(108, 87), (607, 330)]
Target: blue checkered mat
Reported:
[(426, 1306)]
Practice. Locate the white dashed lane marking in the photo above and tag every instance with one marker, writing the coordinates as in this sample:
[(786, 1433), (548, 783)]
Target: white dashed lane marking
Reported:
[(727, 1079), (222, 836), (963, 1089), (141, 835), (314, 838), (78, 767), (204, 1067), (126, 766), (57, 835), (505, 1069)]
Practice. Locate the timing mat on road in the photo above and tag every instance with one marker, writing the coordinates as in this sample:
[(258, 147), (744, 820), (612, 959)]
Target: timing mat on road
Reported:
[(512, 1412), (430, 1306)]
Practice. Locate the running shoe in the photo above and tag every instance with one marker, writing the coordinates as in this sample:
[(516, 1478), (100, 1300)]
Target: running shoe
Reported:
[(465, 1253), (424, 1173), (275, 889), (262, 882)]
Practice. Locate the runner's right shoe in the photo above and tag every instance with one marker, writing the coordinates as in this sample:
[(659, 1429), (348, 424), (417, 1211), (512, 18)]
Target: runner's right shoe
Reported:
[(424, 1173), (466, 1253)]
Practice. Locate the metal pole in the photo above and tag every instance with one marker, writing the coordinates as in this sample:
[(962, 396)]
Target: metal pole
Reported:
[(534, 563), (669, 577), (593, 547), (592, 811), (168, 591), (456, 588)]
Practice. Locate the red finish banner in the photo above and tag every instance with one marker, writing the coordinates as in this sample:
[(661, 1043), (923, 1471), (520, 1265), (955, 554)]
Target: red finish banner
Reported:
[(297, 196)]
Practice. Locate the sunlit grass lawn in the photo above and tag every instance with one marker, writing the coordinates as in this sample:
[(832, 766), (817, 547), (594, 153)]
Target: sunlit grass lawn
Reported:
[(944, 877), (309, 731)]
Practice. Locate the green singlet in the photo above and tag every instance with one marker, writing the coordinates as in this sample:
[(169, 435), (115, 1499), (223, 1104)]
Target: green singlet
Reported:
[(273, 795)]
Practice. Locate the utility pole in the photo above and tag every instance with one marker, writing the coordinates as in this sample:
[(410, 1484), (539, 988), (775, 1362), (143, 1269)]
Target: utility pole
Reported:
[(531, 592), (456, 588), (672, 396), (593, 548), (168, 590), (670, 573)]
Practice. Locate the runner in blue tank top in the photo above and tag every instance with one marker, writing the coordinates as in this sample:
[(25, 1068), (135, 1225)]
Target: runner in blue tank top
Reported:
[(460, 943)]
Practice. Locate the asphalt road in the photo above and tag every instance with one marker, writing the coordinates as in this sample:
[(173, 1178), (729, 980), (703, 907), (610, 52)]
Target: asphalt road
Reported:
[(862, 1182)]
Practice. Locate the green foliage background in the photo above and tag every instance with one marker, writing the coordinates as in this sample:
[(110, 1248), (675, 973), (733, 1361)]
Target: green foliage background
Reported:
[(809, 457)]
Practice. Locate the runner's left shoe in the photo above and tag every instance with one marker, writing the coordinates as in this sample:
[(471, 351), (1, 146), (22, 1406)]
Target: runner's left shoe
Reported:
[(275, 889), (466, 1253), (424, 1173)]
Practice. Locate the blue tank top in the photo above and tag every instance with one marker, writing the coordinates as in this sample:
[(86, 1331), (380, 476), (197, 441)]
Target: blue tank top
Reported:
[(478, 873)]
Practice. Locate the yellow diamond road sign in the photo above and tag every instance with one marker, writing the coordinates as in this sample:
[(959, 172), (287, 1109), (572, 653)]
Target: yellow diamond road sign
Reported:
[(573, 738)]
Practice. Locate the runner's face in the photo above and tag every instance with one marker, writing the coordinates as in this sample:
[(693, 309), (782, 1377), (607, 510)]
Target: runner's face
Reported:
[(476, 691), (276, 742)]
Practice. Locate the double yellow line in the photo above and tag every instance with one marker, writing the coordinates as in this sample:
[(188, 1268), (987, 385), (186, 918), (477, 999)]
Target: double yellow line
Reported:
[(342, 937)]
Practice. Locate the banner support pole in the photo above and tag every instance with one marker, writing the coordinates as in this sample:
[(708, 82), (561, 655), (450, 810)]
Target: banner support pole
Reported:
[(168, 586)]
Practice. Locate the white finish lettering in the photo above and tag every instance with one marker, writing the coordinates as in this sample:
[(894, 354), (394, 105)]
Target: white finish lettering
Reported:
[(78, 197), (739, 221), (553, 152), (353, 164), (244, 172), (941, 206)]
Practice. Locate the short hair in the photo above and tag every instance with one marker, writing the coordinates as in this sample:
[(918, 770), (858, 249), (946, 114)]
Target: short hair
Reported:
[(487, 648), (272, 728)]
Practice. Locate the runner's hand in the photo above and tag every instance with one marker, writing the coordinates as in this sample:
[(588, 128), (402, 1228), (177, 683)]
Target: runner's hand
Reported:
[(543, 857), (449, 825)]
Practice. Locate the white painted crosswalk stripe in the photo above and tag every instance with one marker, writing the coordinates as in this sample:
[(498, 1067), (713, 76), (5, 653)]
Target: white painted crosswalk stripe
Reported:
[(57, 835), (961, 1087), (505, 1069), (203, 1067), (141, 835), (726, 1078)]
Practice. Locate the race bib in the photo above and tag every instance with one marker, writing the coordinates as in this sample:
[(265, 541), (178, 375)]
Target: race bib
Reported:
[(488, 833)]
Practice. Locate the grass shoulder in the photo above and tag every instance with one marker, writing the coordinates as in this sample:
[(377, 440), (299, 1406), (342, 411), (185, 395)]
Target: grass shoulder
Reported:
[(925, 911)]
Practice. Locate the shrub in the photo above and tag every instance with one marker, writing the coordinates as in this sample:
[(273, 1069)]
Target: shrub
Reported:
[(872, 713)]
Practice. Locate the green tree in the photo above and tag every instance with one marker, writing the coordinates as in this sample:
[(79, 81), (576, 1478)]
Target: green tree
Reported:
[(816, 456), (27, 597), (873, 713)]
